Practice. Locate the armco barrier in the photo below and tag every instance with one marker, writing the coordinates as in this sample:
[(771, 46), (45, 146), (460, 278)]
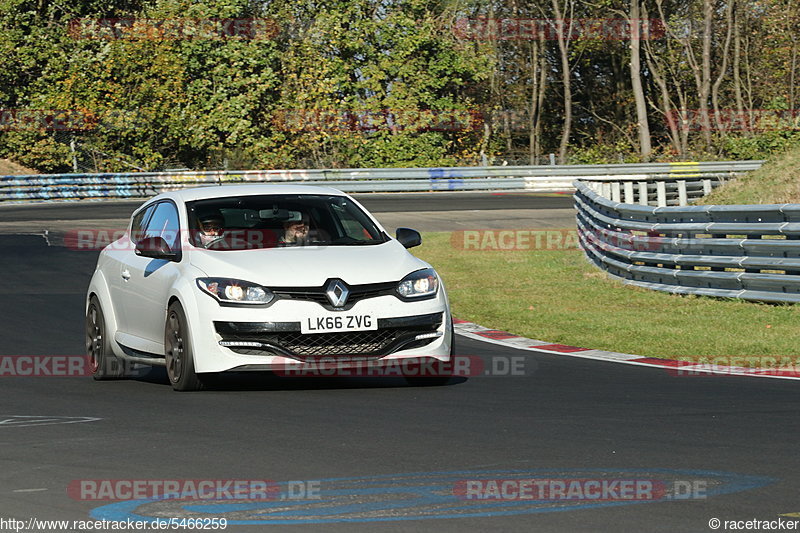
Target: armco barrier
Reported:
[(648, 180), (739, 251)]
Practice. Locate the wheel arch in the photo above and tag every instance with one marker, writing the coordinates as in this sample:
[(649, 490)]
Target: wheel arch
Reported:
[(182, 294), (98, 288)]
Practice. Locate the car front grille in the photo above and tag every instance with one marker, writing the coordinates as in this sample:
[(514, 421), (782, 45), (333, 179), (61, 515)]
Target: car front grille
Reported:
[(332, 344), (317, 294), (285, 338)]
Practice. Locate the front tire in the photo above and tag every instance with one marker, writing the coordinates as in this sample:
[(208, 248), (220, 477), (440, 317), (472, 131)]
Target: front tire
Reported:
[(178, 352), (102, 362)]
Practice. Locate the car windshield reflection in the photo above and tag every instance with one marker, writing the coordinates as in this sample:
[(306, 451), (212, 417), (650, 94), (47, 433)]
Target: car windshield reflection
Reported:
[(276, 221)]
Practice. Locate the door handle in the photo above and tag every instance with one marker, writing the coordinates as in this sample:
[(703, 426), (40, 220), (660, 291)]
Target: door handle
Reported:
[(126, 275)]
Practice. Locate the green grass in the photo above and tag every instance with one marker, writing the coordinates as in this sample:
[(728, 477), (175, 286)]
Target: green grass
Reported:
[(557, 296), (777, 182)]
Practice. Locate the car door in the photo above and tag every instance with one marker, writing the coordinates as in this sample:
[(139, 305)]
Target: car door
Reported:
[(117, 258), (146, 282)]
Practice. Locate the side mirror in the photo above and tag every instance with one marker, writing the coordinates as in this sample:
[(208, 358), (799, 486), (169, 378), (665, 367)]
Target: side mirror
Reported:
[(408, 237), (155, 248)]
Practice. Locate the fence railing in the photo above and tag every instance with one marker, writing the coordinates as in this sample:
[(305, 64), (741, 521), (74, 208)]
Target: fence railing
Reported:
[(739, 251), (685, 182), (648, 181)]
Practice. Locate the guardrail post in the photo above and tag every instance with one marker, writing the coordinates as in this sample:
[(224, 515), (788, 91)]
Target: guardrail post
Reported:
[(628, 192), (615, 192), (661, 193), (643, 193), (605, 187), (682, 200), (706, 187)]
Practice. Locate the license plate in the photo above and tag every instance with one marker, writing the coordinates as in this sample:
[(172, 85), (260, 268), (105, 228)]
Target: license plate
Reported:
[(338, 323)]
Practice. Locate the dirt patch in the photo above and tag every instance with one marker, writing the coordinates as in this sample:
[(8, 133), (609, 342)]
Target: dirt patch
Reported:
[(9, 168)]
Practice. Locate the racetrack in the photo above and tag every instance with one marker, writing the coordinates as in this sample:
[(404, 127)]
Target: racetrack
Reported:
[(431, 212), (373, 448)]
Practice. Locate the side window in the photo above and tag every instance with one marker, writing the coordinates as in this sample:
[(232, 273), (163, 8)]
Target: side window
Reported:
[(164, 223), (137, 225)]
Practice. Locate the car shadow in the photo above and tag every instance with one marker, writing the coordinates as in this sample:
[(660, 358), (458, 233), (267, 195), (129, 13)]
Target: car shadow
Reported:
[(269, 381)]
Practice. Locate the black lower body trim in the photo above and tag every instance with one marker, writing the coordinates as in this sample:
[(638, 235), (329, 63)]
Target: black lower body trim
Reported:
[(285, 338)]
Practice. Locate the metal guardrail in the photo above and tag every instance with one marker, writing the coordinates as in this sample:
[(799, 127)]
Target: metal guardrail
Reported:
[(688, 182), (613, 178), (739, 251)]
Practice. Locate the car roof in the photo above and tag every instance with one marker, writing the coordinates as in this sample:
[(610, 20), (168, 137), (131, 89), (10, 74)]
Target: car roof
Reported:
[(223, 191)]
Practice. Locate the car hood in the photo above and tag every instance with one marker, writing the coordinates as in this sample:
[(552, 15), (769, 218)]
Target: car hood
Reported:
[(310, 266)]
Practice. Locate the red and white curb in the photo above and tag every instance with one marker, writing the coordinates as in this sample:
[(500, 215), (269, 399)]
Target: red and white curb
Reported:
[(683, 368)]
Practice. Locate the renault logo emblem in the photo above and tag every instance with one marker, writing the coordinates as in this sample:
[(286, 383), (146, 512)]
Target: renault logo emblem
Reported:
[(337, 292)]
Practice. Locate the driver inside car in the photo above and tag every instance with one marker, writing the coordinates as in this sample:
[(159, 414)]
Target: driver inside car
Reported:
[(212, 226), (295, 229)]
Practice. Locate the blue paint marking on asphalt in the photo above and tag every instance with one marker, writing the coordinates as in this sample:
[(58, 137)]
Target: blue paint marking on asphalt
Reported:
[(436, 490)]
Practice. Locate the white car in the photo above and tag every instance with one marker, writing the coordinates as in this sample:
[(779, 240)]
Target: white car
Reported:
[(262, 277)]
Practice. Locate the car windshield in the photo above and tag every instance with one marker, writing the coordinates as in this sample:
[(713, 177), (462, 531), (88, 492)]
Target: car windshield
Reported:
[(270, 221)]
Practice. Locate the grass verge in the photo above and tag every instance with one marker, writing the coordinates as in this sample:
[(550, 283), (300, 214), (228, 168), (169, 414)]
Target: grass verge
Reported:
[(557, 296), (774, 183)]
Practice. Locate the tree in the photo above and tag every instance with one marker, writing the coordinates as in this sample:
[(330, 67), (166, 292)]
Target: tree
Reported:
[(563, 29), (642, 121)]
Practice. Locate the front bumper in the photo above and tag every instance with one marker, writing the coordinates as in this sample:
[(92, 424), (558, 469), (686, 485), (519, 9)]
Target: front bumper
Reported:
[(286, 339), (236, 339)]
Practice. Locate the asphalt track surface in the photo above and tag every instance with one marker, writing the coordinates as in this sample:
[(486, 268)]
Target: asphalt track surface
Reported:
[(441, 211), (376, 449), (376, 203)]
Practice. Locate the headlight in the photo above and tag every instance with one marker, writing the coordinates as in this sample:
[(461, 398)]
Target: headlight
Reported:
[(235, 291), (419, 284)]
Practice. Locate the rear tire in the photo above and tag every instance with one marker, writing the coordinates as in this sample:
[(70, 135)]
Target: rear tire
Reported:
[(178, 352), (102, 362)]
